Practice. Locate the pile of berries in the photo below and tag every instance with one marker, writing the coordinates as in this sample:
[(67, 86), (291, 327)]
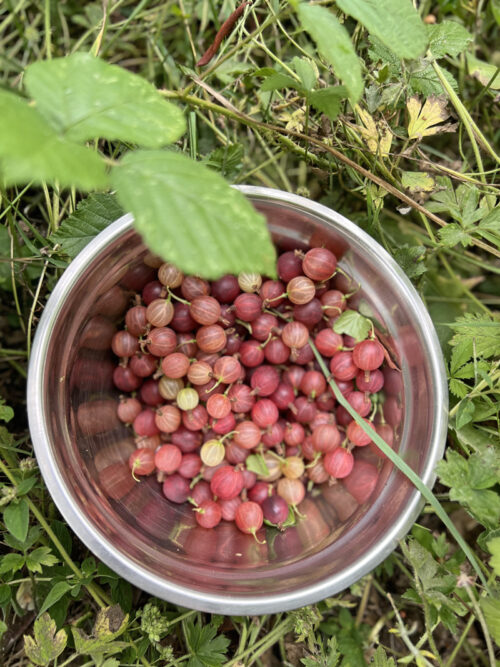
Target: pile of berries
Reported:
[(222, 390)]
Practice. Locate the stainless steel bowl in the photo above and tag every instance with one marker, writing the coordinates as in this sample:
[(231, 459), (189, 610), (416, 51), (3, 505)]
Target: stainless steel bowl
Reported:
[(82, 449)]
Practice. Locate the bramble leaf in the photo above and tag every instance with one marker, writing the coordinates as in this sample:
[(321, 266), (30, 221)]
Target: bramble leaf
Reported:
[(92, 215), (85, 98), (31, 150), (334, 44), (448, 38), (494, 549), (328, 100), (395, 22), (188, 215), (306, 71), (47, 644)]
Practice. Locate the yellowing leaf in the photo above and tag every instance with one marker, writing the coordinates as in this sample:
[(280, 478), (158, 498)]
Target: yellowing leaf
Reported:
[(47, 644), (295, 120), (417, 181), (424, 120), (482, 71), (378, 137)]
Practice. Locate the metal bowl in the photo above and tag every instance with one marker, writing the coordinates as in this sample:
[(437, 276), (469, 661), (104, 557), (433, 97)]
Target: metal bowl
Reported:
[(82, 448)]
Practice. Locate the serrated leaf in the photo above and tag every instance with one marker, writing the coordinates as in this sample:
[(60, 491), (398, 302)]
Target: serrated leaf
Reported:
[(378, 136), (334, 44), (461, 354), (417, 181), (257, 464), (424, 120), (16, 519), (453, 234), (56, 593), (424, 81), (47, 644), (328, 100), (482, 504), (92, 215), (31, 150), (380, 659), (306, 71), (395, 22), (483, 330), (482, 71), (411, 260), (278, 81), (353, 324), (189, 215), (459, 388), (11, 563), (465, 413), (491, 609), (494, 549), (448, 38), (39, 557), (86, 98), (207, 649)]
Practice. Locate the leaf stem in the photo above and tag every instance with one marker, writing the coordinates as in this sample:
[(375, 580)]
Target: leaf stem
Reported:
[(482, 621), (403, 467)]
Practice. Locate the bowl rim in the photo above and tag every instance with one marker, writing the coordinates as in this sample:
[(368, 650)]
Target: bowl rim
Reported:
[(143, 578)]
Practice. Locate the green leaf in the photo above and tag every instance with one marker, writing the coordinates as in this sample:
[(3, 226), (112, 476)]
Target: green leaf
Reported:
[(395, 22), (482, 329), (257, 464), (6, 412), (189, 215), (453, 234), (47, 644), (228, 160), (86, 98), (417, 181), (459, 388), (56, 593), (39, 557), (278, 81), (306, 70), (465, 414), (31, 150), (11, 563), (411, 259), (482, 71), (380, 659), (461, 354), (328, 100), (92, 215), (334, 44), (423, 79), (5, 594), (494, 549), (491, 610), (353, 324), (457, 473), (448, 38), (206, 647), (16, 519)]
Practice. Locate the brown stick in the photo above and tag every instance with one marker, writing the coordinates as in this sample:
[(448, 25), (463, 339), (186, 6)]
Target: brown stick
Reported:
[(225, 29)]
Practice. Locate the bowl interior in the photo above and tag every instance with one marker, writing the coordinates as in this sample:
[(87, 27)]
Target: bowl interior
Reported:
[(83, 449)]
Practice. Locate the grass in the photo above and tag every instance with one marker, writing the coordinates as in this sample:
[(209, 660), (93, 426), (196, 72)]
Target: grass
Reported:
[(430, 200)]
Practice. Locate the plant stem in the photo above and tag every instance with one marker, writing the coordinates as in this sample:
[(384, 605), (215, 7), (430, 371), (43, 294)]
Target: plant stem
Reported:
[(482, 621), (403, 467), (47, 28), (95, 591), (470, 126)]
